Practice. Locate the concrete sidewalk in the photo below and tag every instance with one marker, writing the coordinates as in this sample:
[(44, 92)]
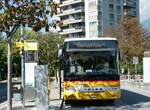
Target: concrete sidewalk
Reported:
[(136, 85), (54, 103)]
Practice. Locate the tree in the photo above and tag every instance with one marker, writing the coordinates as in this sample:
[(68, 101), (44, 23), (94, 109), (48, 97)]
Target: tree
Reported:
[(131, 37), (48, 49), (3, 59), (26, 12), (16, 13)]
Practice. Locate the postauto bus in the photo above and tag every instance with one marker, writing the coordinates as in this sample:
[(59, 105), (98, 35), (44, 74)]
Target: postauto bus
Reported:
[(90, 69)]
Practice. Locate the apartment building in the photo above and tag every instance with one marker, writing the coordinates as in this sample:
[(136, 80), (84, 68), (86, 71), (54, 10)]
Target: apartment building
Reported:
[(90, 18)]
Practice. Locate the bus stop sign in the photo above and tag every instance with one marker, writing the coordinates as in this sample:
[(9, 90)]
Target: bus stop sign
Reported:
[(135, 60)]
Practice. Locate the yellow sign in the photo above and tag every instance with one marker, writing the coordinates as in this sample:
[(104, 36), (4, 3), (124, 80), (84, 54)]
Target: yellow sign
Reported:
[(30, 45), (19, 45)]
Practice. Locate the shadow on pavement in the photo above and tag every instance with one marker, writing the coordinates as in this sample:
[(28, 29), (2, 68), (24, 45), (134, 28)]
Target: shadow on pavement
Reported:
[(3, 92), (132, 98), (54, 108), (89, 103)]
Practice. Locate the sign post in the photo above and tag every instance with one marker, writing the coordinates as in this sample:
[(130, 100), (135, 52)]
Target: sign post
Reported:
[(135, 62)]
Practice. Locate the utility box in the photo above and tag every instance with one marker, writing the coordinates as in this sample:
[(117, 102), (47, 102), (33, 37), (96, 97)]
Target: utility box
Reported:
[(146, 67), (41, 90)]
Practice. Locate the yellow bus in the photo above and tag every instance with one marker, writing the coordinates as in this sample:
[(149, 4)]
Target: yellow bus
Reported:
[(90, 69)]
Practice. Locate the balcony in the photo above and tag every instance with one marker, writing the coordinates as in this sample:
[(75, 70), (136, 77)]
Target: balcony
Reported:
[(71, 11), (128, 3), (69, 2), (131, 13), (72, 30), (73, 20)]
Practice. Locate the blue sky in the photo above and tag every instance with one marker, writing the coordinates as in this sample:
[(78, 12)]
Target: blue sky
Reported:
[(144, 10)]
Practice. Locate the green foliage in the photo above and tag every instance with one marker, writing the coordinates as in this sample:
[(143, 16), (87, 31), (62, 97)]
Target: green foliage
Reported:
[(16, 66), (133, 41), (33, 13), (134, 69), (48, 49), (30, 13), (3, 59)]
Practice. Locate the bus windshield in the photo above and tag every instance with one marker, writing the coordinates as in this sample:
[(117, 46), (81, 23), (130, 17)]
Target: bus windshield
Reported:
[(91, 62)]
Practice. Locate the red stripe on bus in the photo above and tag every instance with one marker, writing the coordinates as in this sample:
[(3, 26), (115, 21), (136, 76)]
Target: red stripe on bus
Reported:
[(94, 81)]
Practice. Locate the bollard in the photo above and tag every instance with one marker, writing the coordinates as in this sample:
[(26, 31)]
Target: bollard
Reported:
[(49, 80)]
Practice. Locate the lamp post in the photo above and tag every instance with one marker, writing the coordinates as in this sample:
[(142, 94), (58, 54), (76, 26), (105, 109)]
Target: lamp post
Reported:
[(9, 75), (9, 68), (22, 68)]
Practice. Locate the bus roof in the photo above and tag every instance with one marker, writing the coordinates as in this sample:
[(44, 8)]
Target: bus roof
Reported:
[(81, 39)]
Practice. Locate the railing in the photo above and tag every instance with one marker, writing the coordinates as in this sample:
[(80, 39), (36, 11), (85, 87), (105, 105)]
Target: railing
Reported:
[(128, 3), (67, 21), (72, 10), (69, 2), (135, 78), (72, 30)]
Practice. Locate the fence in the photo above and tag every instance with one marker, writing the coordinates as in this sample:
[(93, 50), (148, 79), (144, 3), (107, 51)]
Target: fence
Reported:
[(136, 78)]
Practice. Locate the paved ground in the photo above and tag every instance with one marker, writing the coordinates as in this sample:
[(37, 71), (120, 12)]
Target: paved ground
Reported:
[(54, 103), (135, 96)]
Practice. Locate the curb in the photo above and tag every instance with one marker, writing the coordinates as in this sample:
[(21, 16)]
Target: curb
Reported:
[(3, 105), (62, 102)]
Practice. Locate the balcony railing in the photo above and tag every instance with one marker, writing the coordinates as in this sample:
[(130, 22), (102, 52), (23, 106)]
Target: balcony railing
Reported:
[(73, 30), (71, 11), (128, 3), (69, 2), (73, 20)]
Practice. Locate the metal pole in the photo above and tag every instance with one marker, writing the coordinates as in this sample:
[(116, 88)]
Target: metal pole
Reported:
[(23, 77), (9, 75), (136, 69), (22, 71)]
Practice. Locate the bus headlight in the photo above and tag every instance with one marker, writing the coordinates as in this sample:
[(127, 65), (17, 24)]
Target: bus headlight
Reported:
[(70, 89)]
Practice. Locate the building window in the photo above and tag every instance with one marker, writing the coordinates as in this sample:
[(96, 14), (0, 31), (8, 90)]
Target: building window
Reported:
[(134, 12), (111, 1), (100, 5), (99, 28), (111, 17), (111, 7), (93, 29), (118, 1), (99, 15), (118, 9), (134, 4), (118, 19)]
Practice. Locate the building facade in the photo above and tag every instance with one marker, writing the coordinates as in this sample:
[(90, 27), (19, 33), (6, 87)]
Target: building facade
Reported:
[(90, 18)]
